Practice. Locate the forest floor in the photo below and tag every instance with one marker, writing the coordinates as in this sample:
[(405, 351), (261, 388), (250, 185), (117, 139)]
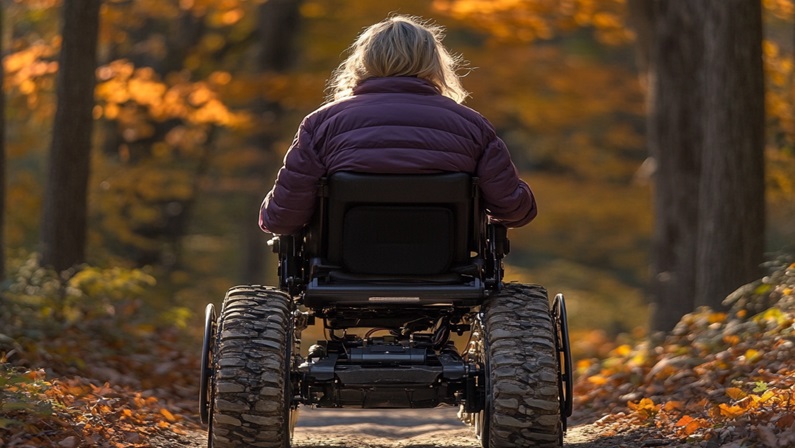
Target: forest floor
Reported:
[(721, 379), (435, 428)]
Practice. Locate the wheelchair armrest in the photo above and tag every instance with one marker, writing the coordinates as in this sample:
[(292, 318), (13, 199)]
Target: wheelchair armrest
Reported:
[(496, 248), (499, 233), (291, 263)]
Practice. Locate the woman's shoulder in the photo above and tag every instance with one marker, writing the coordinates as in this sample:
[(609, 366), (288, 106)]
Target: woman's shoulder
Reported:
[(432, 108)]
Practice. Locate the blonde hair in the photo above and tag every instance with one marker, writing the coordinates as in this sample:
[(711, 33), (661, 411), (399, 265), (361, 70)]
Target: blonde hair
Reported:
[(399, 46)]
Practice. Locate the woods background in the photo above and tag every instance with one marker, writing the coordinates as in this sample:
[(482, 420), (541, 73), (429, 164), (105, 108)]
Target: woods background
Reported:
[(196, 101)]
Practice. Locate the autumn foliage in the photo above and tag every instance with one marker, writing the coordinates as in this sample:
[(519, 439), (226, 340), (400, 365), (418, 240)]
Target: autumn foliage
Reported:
[(724, 377), (83, 363), (120, 379), (106, 355)]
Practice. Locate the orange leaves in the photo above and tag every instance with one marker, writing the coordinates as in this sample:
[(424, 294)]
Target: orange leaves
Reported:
[(114, 395), (132, 95), (782, 9), (529, 20), (744, 404), (597, 380), (103, 414), (644, 408), (730, 411), (30, 72), (735, 393), (168, 415), (728, 377), (690, 425)]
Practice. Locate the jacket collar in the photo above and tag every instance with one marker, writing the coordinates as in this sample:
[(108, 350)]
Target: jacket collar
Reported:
[(396, 84)]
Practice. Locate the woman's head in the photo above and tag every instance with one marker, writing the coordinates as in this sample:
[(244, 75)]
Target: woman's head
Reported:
[(399, 46)]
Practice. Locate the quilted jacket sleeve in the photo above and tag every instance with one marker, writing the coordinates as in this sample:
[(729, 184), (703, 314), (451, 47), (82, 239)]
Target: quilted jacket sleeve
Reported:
[(291, 202), (508, 199)]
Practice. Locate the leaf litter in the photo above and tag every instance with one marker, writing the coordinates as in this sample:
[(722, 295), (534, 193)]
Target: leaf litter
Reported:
[(721, 379)]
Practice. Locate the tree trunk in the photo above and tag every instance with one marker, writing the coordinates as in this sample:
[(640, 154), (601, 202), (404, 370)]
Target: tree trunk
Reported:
[(279, 22), (640, 18), (63, 227), (706, 134), (675, 138), (732, 191), (2, 154)]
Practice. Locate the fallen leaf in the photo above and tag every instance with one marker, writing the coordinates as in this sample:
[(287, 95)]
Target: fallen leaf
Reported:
[(168, 415), (735, 393), (684, 421), (673, 406), (732, 411)]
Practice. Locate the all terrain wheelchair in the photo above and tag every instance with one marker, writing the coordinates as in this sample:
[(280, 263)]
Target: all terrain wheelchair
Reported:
[(396, 267)]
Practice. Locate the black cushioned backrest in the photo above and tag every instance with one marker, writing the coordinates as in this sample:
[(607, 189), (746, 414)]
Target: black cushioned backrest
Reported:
[(399, 224)]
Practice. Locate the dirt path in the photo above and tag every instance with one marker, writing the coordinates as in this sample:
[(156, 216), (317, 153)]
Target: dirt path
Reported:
[(427, 428)]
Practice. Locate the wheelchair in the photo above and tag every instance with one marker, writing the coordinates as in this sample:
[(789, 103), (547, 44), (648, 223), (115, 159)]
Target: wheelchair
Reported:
[(405, 273)]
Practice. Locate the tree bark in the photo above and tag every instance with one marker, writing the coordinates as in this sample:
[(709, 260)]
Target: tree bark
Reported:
[(732, 190), (279, 22), (675, 139), (706, 134), (63, 227), (2, 154)]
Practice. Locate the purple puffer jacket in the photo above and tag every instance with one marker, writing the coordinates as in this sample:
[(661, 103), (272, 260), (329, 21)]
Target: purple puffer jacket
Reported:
[(399, 125)]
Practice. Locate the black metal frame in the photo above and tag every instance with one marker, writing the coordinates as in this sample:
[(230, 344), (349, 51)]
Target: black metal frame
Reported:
[(208, 351), (413, 365), (414, 369), (301, 261)]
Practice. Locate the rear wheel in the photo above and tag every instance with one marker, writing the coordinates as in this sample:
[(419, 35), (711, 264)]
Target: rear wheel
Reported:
[(513, 341), (252, 359)]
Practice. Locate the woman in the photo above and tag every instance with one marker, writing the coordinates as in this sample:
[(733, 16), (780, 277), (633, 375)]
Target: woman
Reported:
[(394, 108)]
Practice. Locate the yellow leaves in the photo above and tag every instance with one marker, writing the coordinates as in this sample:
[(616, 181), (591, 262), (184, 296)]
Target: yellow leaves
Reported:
[(735, 393), (143, 95), (121, 69), (622, 350), (606, 20), (31, 70), (779, 68), (232, 16), (774, 316), (714, 318), (782, 9), (168, 415), (731, 339), (30, 62), (769, 49), (141, 402), (114, 287), (717, 372), (751, 355), (731, 411), (744, 403), (108, 413), (526, 20), (645, 408), (690, 425), (145, 89), (673, 406), (219, 78)]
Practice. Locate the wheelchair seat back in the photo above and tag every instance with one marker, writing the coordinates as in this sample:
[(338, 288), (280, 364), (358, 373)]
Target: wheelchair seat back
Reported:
[(396, 238), (399, 224)]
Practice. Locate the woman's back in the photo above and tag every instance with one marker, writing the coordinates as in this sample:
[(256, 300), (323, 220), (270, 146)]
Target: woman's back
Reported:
[(395, 109), (398, 125)]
